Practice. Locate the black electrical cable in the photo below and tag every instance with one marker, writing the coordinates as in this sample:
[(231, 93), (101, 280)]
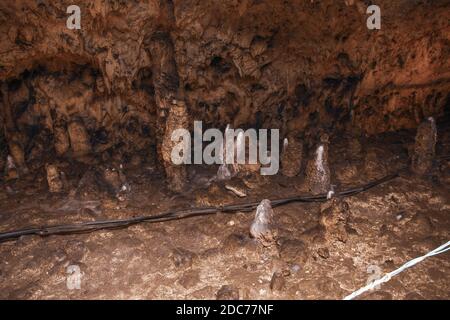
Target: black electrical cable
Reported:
[(92, 226)]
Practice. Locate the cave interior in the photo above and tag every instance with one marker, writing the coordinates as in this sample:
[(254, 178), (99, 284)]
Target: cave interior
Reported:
[(86, 121)]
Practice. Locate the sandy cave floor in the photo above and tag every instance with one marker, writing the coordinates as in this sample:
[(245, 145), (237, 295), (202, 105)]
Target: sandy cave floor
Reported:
[(194, 258)]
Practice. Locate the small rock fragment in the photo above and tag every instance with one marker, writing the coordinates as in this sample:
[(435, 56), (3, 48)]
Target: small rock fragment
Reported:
[(323, 253), (227, 293), (237, 191), (182, 257), (278, 282), (189, 279)]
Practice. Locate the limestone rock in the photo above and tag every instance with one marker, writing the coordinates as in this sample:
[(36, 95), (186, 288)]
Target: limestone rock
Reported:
[(79, 138), (278, 282), (333, 218), (54, 180), (263, 228), (18, 154), (425, 147), (291, 158), (62, 143), (177, 119), (11, 171), (318, 171), (227, 292)]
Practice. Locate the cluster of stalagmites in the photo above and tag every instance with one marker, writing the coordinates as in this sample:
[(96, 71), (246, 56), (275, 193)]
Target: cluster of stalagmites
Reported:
[(317, 170), (335, 213)]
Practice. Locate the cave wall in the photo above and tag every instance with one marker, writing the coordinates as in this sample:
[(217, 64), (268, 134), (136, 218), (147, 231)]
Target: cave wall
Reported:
[(301, 66)]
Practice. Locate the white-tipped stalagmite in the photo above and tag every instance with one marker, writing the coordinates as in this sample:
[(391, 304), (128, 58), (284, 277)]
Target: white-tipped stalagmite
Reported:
[(11, 171), (263, 228), (318, 171), (291, 159), (226, 171), (424, 147)]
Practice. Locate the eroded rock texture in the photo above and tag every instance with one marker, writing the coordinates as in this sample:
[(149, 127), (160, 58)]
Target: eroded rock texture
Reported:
[(300, 66)]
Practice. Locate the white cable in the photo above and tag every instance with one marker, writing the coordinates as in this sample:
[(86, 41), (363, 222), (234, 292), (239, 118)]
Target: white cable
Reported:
[(445, 247)]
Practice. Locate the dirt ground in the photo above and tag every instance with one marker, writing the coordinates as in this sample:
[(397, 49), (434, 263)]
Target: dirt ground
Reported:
[(213, 256)]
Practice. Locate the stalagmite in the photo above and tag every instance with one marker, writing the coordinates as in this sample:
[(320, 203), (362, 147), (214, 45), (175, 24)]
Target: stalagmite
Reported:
[(334, 216), (17, 153), (247, 168), (226, 171), (172, 111), (291, 159), (263, 228), (11, 171), (61, 139), (177, 119), (79, 138), (318, 171), (424, 148), (11, 134), (55, 183), (116, 182)]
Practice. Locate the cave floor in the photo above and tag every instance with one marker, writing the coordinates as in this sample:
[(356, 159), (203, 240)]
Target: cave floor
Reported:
[(195, 257)]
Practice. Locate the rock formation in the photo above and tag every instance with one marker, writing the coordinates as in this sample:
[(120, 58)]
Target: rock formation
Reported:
[(291, 157), (107, 88), (318, 174), (263, 228), (425, 147)]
